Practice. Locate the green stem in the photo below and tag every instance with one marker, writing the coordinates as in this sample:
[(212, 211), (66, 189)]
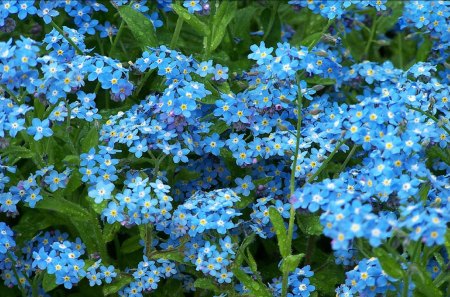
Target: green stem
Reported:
[(373, 29), (310, 248), (325, 163), (176, 34), (284, 284), (313, 44), (77, 49), (144, 79), (349, 156), (429, 115), (271, 20)]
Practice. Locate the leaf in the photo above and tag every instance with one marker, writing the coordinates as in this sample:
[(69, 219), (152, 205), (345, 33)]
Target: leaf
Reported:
[(131, 245), (251, 262), (389, 263), (423, 281), (71, 159), (240, 254), (17, 152), (262, 181), (317, 80), (280, 230), (447, 241), (49, 282), (424, 50), (141, 27), (31, 222), (176, 256), (86, 224), (74, 183), (257, 288), (310, 224), (224, 14), (219, 127), (90, 140), (423, 192), (206, 284), (186, 174), (274, 34), (291, 262), (110, 231), (119, 282), (192, 20)]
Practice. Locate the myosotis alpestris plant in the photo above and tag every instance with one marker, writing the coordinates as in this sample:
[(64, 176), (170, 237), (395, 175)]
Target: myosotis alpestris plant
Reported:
[(224, 148)]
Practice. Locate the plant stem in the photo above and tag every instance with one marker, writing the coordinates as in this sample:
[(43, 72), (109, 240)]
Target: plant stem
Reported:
[(349, 156), (400, 50), (57, 28), (176, 34), (271, 20), (429, 115), (325, 163), (284, 285), (16, 274), (373, 29)]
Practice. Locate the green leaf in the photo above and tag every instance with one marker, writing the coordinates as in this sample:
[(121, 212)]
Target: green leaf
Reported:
[(310, 224), (186, 174), (31, 222), (257, 288), (71, 159), (141, 27), (191, 19), (423, 192), (262, 181), (251, 262), (86, 224), (109, 231), (119, 282), (206, 284), (74, 183), (131, 245), (90, 140), (317, 80), (389, 263), (291, 262), (219, 127), (176, 256), (424, 50), (49, 282), (19, 152), (224, 14), (240, 254), (274, 36), (280, 231), (423, 281)]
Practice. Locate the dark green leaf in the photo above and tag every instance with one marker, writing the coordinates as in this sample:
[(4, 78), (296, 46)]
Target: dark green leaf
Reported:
[(280, 231), (424, 50), (110, 231), (131, 245), (119, 282), (224, 14), (310, 224), (291, 262), (251, 262), (389, 263), (141, 27), (257, 288), (262, 181), (240, 254), (274, 32), (186, 175), (191, 19), (90, 140), (49, 282), (423, 281), (206, 284)]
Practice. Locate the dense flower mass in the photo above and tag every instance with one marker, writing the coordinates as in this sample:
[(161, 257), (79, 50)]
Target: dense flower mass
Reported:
[(223, 148)]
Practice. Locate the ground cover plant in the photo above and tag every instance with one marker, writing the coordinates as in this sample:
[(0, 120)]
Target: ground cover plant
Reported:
[(224, 148)]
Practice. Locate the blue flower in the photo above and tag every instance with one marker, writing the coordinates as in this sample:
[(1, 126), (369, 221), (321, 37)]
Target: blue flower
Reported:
[(244, 186), (40, 129)]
